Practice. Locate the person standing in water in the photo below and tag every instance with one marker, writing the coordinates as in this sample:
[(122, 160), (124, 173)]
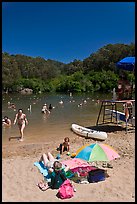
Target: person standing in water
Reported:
[(50, 107), (6, 123), (45, 109), (22, 122)]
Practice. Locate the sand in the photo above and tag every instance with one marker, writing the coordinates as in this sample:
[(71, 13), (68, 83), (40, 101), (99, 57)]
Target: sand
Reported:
[(20, 176)]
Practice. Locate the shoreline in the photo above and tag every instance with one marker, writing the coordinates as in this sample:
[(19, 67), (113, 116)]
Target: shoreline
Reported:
[(20, 175)]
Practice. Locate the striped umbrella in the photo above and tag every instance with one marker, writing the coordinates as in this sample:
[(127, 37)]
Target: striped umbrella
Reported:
[(96, 152)]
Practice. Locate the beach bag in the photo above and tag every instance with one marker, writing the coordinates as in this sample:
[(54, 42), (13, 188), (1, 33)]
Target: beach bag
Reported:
[(66, 190), (96, 175)]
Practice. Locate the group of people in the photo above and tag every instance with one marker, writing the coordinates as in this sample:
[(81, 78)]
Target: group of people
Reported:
[(55, 168), (20, 119), (57, 173)]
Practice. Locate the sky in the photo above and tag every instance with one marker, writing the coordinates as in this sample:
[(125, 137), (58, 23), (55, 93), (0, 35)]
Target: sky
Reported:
[(65, 31)]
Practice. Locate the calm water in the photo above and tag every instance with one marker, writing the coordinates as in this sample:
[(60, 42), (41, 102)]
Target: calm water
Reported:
[(58, 123)]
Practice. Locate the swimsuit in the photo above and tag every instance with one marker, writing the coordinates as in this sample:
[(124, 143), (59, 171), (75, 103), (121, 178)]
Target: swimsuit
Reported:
[(21, 119)]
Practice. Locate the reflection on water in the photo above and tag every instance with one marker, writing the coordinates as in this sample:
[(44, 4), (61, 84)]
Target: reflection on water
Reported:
[(76, 108)]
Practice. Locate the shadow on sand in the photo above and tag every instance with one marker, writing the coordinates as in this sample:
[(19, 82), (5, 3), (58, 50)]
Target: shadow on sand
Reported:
[(16, 137), (107, 128)]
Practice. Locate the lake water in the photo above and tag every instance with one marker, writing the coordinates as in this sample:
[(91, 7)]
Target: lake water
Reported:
[(58, 123)]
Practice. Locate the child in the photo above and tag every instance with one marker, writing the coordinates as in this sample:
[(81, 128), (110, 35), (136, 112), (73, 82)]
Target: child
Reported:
[(64, 146)]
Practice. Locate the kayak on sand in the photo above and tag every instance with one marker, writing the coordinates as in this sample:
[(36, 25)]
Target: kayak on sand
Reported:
[(87, 132)]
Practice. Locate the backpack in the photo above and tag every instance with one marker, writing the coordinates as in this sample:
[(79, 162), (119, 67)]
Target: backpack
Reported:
[(96, 175), (66, 190)]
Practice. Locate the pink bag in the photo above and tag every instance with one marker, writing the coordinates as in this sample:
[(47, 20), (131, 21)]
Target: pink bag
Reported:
[(66, 190)]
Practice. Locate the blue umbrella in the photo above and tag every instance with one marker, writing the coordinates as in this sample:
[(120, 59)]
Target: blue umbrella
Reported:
[(127, 63)]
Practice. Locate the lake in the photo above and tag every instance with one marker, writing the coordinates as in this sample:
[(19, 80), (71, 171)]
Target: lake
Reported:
[(81, 109)]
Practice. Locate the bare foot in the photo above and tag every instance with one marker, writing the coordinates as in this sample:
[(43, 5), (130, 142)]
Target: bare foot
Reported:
[(21, 140)]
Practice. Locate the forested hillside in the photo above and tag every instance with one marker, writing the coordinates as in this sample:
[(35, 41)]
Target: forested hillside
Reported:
[(97, 72)]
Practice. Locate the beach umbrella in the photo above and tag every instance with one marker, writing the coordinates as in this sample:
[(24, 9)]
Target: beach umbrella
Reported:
[(77, 164), (96, 152), (127, 63)]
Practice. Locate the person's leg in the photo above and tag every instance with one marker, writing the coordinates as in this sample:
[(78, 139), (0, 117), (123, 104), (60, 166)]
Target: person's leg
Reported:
[(65, 149), (60, 148), (20, 126), (50, 157), (44, 158), (22, 131)]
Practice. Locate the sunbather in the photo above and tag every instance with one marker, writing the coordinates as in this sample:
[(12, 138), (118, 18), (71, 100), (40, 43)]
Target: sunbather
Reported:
[(48, 160), (58, 176)]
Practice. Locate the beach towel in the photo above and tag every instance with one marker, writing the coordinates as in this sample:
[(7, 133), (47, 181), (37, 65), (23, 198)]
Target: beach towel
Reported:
[(43, 170), (78, 165)]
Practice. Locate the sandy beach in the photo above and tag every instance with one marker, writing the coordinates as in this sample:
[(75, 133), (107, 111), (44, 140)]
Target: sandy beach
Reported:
[(20, 176)]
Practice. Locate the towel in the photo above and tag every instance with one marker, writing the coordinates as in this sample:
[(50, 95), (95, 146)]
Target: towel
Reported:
[(43, 170)]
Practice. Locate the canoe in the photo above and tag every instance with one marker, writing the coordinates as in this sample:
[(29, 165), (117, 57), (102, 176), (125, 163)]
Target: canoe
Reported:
[(88, 133)]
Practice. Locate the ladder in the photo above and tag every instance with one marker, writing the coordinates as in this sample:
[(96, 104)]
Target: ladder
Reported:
[(107, 117)]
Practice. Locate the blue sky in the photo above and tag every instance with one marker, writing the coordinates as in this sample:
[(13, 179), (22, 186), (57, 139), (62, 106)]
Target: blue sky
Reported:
[(65, 31)]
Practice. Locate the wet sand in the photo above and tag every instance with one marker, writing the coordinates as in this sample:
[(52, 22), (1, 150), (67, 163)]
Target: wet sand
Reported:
[(20, 176)]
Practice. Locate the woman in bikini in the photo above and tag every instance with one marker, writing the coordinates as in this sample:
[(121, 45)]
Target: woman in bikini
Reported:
[(22, 122)]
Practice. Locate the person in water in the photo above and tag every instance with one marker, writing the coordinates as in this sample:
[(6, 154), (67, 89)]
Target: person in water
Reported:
[(6, 122), (45, 109), (22, 122), (50, 107), (11, 105)]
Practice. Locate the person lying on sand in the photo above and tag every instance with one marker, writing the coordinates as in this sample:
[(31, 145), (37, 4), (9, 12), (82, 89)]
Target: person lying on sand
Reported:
[(48, 160), (53, 166), (57, 175)]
